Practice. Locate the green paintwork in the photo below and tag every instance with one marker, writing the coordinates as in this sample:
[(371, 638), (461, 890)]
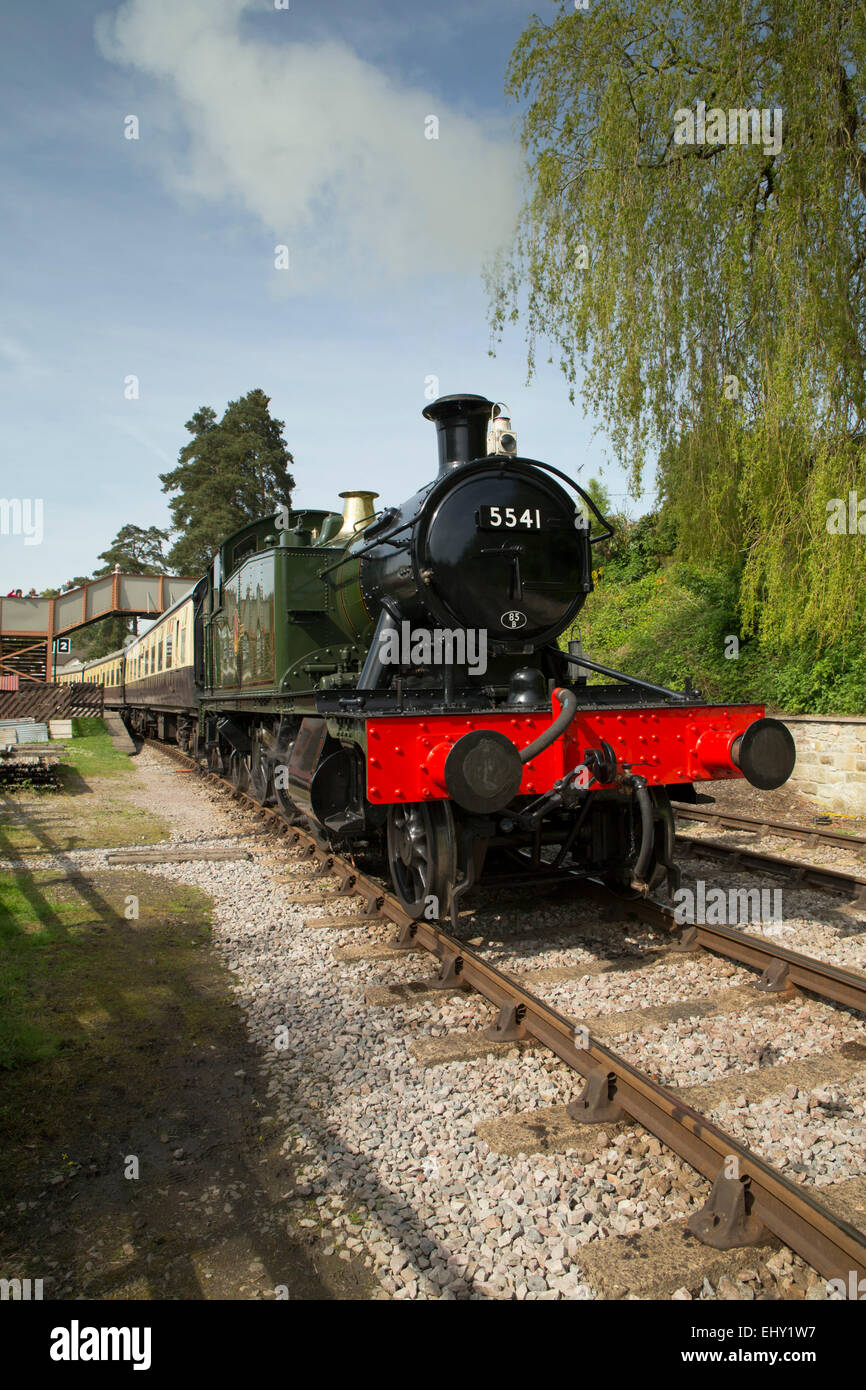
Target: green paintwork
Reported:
[(350, 607), (273, 622)]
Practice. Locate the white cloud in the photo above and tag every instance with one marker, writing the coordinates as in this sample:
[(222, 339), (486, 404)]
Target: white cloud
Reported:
[(325, 149)]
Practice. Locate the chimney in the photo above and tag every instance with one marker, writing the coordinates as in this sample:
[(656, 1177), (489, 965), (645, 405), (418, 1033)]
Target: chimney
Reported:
[(461, 427)]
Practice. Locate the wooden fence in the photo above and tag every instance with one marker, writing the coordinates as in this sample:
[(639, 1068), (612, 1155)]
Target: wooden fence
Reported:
[(44, 702)]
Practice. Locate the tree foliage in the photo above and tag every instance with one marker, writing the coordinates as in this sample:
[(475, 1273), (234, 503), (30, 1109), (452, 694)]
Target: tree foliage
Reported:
[(231, 471), (712, 294), (136, 550)]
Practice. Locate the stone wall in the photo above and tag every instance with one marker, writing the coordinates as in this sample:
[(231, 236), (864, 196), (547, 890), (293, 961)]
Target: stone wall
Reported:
[(831, 761)]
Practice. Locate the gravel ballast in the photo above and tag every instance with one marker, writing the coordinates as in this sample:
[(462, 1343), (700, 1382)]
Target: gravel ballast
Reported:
[(388, 1150)]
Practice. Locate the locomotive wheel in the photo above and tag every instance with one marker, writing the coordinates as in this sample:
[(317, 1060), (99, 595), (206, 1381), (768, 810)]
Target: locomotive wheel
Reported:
[(238, 771), (260, 782), (422, 856), (259, 776)]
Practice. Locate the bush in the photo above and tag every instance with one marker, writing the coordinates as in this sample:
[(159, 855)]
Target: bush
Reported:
[(666, 621)]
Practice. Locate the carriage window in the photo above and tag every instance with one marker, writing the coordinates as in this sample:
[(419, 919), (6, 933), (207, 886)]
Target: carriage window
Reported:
[(159, 655), (168, 646), (181, 651)]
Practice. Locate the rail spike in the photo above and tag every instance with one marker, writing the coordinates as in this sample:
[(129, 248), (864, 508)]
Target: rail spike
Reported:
[(404, 940), (597, 1102), (726, 1221), (509, 1025), (686, 941), (449, 976)]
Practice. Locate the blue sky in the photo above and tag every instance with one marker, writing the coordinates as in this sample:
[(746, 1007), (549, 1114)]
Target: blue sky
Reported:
[(154, 257)]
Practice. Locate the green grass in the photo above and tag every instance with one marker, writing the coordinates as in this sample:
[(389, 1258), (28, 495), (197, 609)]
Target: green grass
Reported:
[(71, 960), (29, 925), (91, 751), (89, 810)]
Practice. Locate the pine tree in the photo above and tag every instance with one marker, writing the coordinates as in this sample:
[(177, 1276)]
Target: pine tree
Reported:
[(136, 551), (230, 472)]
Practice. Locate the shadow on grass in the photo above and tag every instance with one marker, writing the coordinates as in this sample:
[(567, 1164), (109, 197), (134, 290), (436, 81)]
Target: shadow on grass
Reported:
[(148, 1057)]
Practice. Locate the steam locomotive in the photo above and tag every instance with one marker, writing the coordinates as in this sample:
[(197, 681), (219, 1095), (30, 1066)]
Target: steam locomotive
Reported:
[(394, 680)]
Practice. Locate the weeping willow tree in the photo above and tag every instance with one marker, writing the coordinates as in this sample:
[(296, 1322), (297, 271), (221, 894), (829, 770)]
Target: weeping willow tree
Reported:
[(693, 247)]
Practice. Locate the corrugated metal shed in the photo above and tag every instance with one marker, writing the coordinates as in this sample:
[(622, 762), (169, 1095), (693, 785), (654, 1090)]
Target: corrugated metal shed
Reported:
[(22, 731)]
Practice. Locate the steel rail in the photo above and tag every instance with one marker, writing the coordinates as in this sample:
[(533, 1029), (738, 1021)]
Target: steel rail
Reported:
[(829, 1243), (832, 982), (816, 875), (846, 987), (727, 820)]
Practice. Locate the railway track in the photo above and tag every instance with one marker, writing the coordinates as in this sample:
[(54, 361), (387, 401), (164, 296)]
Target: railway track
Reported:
[(851, 885), (749, 1197), (755, 825), (781, 968)]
